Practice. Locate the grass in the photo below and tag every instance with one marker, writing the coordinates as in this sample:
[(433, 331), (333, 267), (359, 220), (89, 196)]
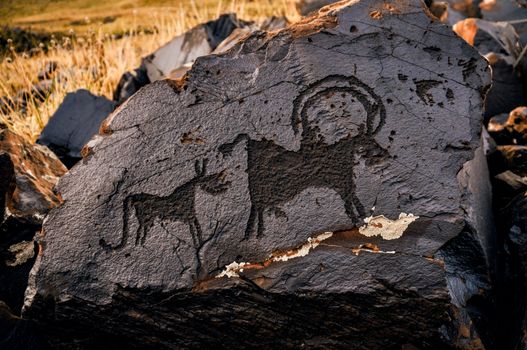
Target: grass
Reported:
[(96, 58), (119, 15)]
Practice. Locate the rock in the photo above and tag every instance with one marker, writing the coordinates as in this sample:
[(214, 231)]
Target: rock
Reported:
[(323, 187), (514, 158), (500, 44), (305, 7), (199, 41), (513, 11), (512, 286), (27, 176), (512, 130), (270, 24), (74, 123), (18, 334), (508, 169), (175, 58), (129, 84), (508, 90)]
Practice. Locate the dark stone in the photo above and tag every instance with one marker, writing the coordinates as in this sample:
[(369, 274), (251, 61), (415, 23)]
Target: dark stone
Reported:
[(18, 334), (500, 44), (183, 49), (260, 201), (507, 91), (512, 284), (514, 11), (514, 158), (306, 7), (27, 176), (74, 123), (129, 84)]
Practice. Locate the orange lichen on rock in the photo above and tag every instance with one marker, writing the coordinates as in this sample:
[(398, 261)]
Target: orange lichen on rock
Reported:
[(37, 171), (467, 29)]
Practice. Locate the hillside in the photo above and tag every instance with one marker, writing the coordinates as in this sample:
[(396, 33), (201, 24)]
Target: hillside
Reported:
[(115, 17)]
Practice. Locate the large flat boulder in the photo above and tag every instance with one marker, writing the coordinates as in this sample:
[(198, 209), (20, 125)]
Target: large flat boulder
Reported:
[(323, 187)]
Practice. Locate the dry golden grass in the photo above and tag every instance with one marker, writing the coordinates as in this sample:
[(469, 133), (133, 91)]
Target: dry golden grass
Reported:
[(96, 61)]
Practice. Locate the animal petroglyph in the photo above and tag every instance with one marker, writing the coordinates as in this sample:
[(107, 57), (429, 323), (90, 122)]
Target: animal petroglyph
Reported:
[(177, 206), (338, 117)]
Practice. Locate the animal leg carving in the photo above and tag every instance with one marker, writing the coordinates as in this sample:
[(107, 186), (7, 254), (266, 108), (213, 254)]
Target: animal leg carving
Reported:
[(251, 222), (260, 223)]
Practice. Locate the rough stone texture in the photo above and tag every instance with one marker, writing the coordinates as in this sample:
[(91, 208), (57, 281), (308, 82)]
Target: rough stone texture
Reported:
[(74, 123), (199, 41), (175, 58), (369, 108), (27, 176)]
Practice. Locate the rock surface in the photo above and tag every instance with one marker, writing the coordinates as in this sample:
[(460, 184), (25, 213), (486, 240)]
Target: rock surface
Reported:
[(175, 58), (306, 7), (27, 176), (74, 123), (232, 208), (177, 55)]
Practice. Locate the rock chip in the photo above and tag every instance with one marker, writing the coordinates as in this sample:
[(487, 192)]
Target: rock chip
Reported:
[(74, 123), (263, 164)]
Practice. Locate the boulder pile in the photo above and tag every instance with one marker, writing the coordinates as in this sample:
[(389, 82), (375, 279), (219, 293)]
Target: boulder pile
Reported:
[(28, 174)]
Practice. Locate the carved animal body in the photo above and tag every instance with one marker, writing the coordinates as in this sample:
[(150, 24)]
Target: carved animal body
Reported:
[(177, 206), (276, 175)]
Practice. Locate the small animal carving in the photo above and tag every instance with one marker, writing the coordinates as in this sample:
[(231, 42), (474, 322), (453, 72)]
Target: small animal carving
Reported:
[(177, 206)]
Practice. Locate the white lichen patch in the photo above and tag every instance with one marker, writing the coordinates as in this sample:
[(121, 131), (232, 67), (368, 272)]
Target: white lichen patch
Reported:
[(386, 228), (23, 251), (234, 268)]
